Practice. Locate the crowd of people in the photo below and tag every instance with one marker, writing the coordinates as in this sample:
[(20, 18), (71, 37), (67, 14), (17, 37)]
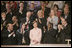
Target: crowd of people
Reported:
[(35, 22)]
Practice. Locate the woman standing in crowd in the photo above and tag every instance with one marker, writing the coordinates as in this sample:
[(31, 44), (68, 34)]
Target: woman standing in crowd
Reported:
[(41, 21), (53, 19), (57, 12)]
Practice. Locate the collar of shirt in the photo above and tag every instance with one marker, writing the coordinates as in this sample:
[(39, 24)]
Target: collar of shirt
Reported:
[(20, 11), (3, 19), (9, 30)]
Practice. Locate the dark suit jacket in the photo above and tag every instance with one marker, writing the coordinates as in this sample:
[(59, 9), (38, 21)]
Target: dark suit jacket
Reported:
[(20, 36), (50, 37), (8, 40), (64, 34), (19, 15), (68, 17)]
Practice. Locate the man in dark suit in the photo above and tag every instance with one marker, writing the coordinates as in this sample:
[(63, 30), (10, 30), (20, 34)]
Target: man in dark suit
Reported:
[(21, 11), (45, 9), (28, 20), (9, 12), (65, 32), (66, 13), (8, 35)]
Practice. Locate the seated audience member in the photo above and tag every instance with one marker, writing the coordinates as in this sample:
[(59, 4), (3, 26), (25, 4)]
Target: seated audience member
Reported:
[(53, 19), (50, 35), (64, 31), (23, 35), (35, 34), (8, 36)]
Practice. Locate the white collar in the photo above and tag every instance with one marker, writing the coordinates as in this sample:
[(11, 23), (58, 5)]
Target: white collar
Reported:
[(9, 30), (20, 11), (3, 19)]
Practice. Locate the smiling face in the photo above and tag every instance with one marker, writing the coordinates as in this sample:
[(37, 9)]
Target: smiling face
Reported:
[(3, 15), (10, 27)]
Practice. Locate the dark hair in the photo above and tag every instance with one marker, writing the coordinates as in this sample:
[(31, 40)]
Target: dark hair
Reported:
[(34, 21), (56, 6), (51, 26), (65, 4), (66, 20), (23, 22)]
